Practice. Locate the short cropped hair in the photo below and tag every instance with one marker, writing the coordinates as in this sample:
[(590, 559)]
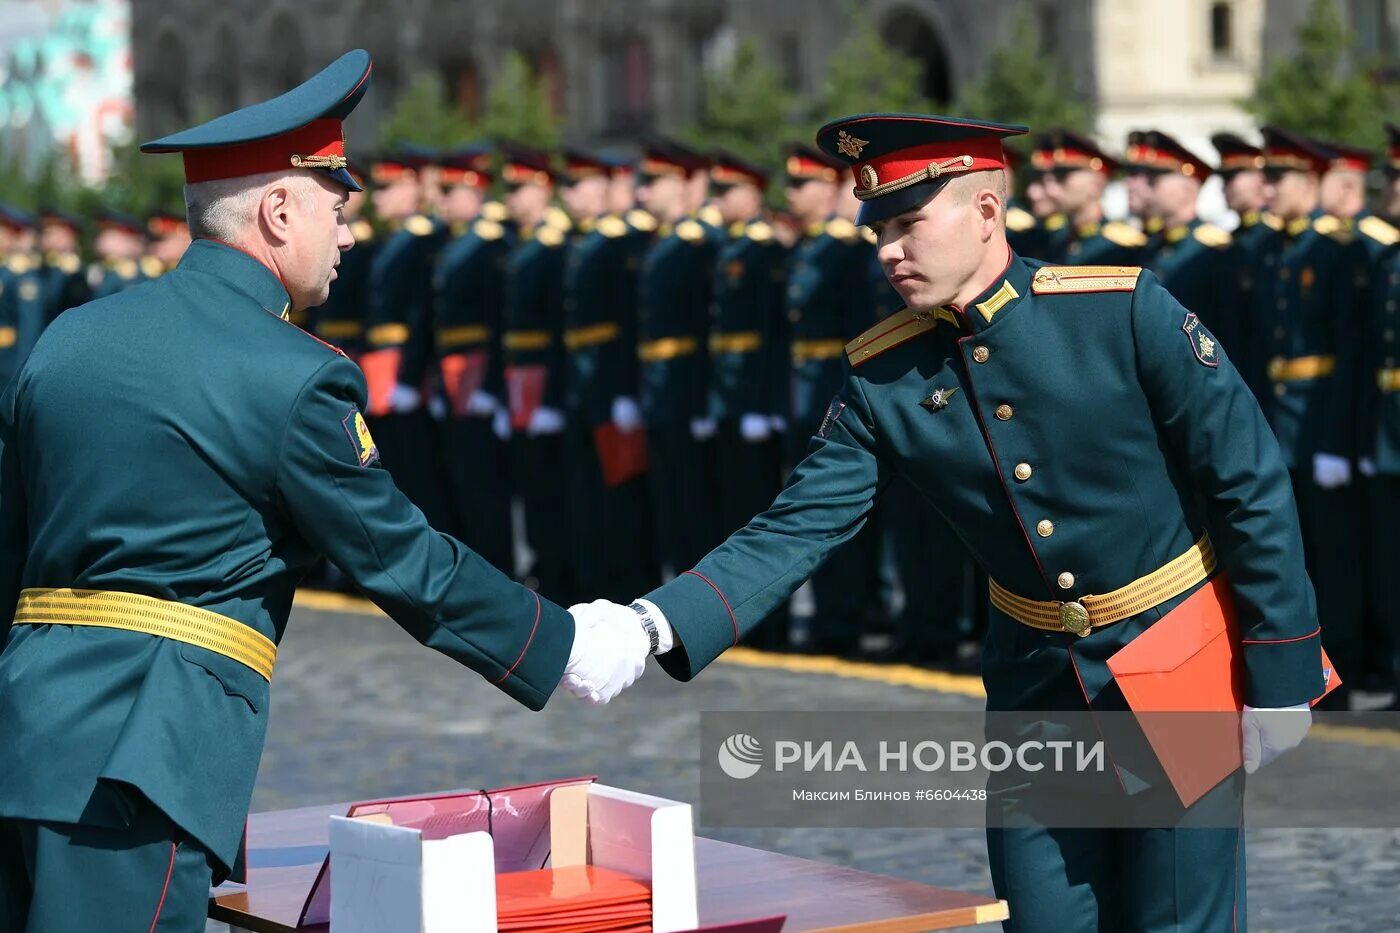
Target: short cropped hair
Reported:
[(225, 208)]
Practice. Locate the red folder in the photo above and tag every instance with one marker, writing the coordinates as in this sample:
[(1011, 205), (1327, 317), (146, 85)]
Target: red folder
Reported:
[(381, 369), (622, 454), (1189, 661), (462, 375), (525, 387)]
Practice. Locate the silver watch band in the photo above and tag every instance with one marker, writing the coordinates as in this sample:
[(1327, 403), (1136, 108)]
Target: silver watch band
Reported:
[(649, 624)]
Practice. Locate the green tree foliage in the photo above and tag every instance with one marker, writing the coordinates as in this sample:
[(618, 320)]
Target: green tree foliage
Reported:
[(1317, 91), (867, 75), (1025, 85), (519, 108), (748, 109), (141, 183), (424, 116)]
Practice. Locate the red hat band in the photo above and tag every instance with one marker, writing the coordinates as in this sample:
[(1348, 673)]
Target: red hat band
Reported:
[(319, 144), (453, 176), (905, 167)]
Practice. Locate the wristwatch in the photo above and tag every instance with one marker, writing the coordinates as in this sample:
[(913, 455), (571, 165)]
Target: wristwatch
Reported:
[(649, 624)]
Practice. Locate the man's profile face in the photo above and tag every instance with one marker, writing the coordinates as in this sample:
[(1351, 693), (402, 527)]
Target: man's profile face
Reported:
[(811, 200), (1342, 192), (1041, 204), (622, 193), (1141, 200), (317, 233), (461, 203), (587, 197), (1244, 191), (1074, 189), (1292, 194), (664, 196), (399, 198), (1173, 194), (526, 203), (58, 238), (928, 254)]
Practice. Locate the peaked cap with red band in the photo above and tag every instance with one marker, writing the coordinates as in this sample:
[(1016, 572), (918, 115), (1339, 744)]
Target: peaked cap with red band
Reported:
[(728, 169), (469, 165), (1293, 152), (1156, 153), (303, 128), (807, 163), (900, 160), (581, 163), (1349, 158), (1236, 155)]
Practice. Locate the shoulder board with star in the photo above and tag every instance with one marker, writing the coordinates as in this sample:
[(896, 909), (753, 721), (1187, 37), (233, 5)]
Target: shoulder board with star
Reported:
[(549, 235), (612, 227), (1271, 220), (362, 230), (1019, 220), (641, 220), (898, 328), (759, 232), (1056, 221), (1333, 228), (495, 210), (1378, 230), (1212, 236), (152, 267), (842, 229), (488, 229), (869, 236), (126, 268), (1121, 234), (1078, 280), (690, 230), (19, 264), (418, 225)]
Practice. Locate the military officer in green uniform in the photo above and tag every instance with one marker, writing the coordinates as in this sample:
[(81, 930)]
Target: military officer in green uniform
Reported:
[(1342, 191), (1309, 308), (604, 445), (62, 275), (169, 236), (173, 458), (1077, 174), (398, 329), (830, 299), (1241, 170), (24, 311), (534, 354), (468, 304), (1195, 260), (1024, 229), (977, 394), (120, 245), (1138, 172), (673, 310), (748, 356)]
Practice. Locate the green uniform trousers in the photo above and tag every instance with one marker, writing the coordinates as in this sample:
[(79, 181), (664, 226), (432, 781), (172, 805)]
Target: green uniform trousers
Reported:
[(66, 878), (1382, 513), (1332, 548), (934, 572), (478, 487), (750, 475), (611, 546)]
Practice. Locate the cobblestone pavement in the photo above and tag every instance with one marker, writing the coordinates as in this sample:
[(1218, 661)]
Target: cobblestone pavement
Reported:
[(360, 710)]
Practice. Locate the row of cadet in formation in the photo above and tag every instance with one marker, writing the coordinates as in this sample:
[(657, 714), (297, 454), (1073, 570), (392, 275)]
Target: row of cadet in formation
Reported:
[(637, 351)]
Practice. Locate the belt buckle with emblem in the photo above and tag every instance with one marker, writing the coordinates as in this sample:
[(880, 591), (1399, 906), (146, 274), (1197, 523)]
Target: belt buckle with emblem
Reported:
[(1074, 618)]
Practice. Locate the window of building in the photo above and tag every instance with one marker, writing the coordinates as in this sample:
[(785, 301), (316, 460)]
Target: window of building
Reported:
[(463, 84), (1222, 30), (911, 33), (287, 55), (626, 86)]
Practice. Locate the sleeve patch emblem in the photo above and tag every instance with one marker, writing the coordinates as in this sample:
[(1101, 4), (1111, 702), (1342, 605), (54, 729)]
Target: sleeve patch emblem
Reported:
[(833, 414), (1202, 343), (360, 439)]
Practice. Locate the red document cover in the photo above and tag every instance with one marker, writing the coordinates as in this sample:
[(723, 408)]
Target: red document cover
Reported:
[(1189, 661), (462, 376), (622, 454), (381, 369), (525, 386)]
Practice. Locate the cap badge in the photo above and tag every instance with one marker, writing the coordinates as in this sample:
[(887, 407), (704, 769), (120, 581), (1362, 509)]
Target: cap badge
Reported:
[(849, 145), (869, 177)]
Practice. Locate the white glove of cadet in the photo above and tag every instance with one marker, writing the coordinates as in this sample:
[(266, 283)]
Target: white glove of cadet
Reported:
[(437, 407), (609, 653), (626, 414), (702, 429), (545, 421), (1367, 466), (1267, 733), (404, 399), (1330, 471), (500, 424), (778, 422), (754, 428), (482, 404)]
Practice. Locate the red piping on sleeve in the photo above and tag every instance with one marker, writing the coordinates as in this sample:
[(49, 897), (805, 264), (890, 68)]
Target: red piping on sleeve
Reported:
[(533, 629), (732, 621), (1279, 641), (164, 890)]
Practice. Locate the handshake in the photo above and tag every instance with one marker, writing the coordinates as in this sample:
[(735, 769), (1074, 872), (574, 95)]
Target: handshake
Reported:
[(611, 645)]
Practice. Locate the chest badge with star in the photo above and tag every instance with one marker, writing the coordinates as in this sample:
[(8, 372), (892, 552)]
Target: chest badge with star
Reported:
[(938, 399)]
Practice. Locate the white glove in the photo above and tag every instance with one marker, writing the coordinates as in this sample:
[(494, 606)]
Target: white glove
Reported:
[(1267, 733), (626, 414), (609, 653), (1367, 466), (404, 399), (437, 407), (500, 424), (778, 423), (545, 421), (482, 404), (1330, 472), (702, 429), (754, 428)]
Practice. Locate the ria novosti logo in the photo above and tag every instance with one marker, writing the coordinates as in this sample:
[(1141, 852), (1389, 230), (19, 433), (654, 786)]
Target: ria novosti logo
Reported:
[(740, 756)]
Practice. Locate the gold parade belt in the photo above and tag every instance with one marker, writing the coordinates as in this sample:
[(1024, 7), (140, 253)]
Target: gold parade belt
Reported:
[(1388, 380), (579, 337), (666, 348), (804, 350), (1090, 612), (745, 341), (463, 335), (150, 616), (1301, 367), (527, 340)]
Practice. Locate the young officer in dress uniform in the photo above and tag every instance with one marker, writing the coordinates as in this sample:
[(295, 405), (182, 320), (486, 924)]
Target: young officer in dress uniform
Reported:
[(533, 349), (468, 303), (23, 314), (1308, 313), (62, 280), (976, 393), (1241, 170), (119, 245), (1078, 171), (1138, 172), (173, 459)]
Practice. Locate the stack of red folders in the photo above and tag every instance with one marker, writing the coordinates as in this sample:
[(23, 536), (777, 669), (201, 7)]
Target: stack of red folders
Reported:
[(581, 899)]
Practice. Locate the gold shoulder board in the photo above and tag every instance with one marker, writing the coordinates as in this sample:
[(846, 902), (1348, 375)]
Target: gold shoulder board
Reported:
[(1378, 230), (1019, 220), (841, 229), (869, 236), (759, 232), (690, 231), (549, 235), (418, 225), (494, 210), (641, 220), (1056, 222), (1123, 235), (612, 227), (152, 266), (555, 217), (488, 229), (899, 327), (711, 215), (1073, 280), (1212, 236), (362, 230), (1271, 220)]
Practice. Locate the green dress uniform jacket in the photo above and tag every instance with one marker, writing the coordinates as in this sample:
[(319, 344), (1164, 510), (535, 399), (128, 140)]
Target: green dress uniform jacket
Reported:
[(182, 441), (109, 278), (63, 283), (398, 315), (1198, 264), (23, 312), (1380, 380), (1108, 244), (673, 307), (1053, 504), (748, 352), (600, 323), (1026, 233), (534, 317)]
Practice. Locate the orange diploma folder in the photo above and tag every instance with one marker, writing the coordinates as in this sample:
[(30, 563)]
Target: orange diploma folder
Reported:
[(1189, 661), (621, 454)]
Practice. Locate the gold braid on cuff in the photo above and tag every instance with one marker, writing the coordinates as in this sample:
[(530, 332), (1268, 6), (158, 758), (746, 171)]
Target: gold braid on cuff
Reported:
[(953, 166)]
